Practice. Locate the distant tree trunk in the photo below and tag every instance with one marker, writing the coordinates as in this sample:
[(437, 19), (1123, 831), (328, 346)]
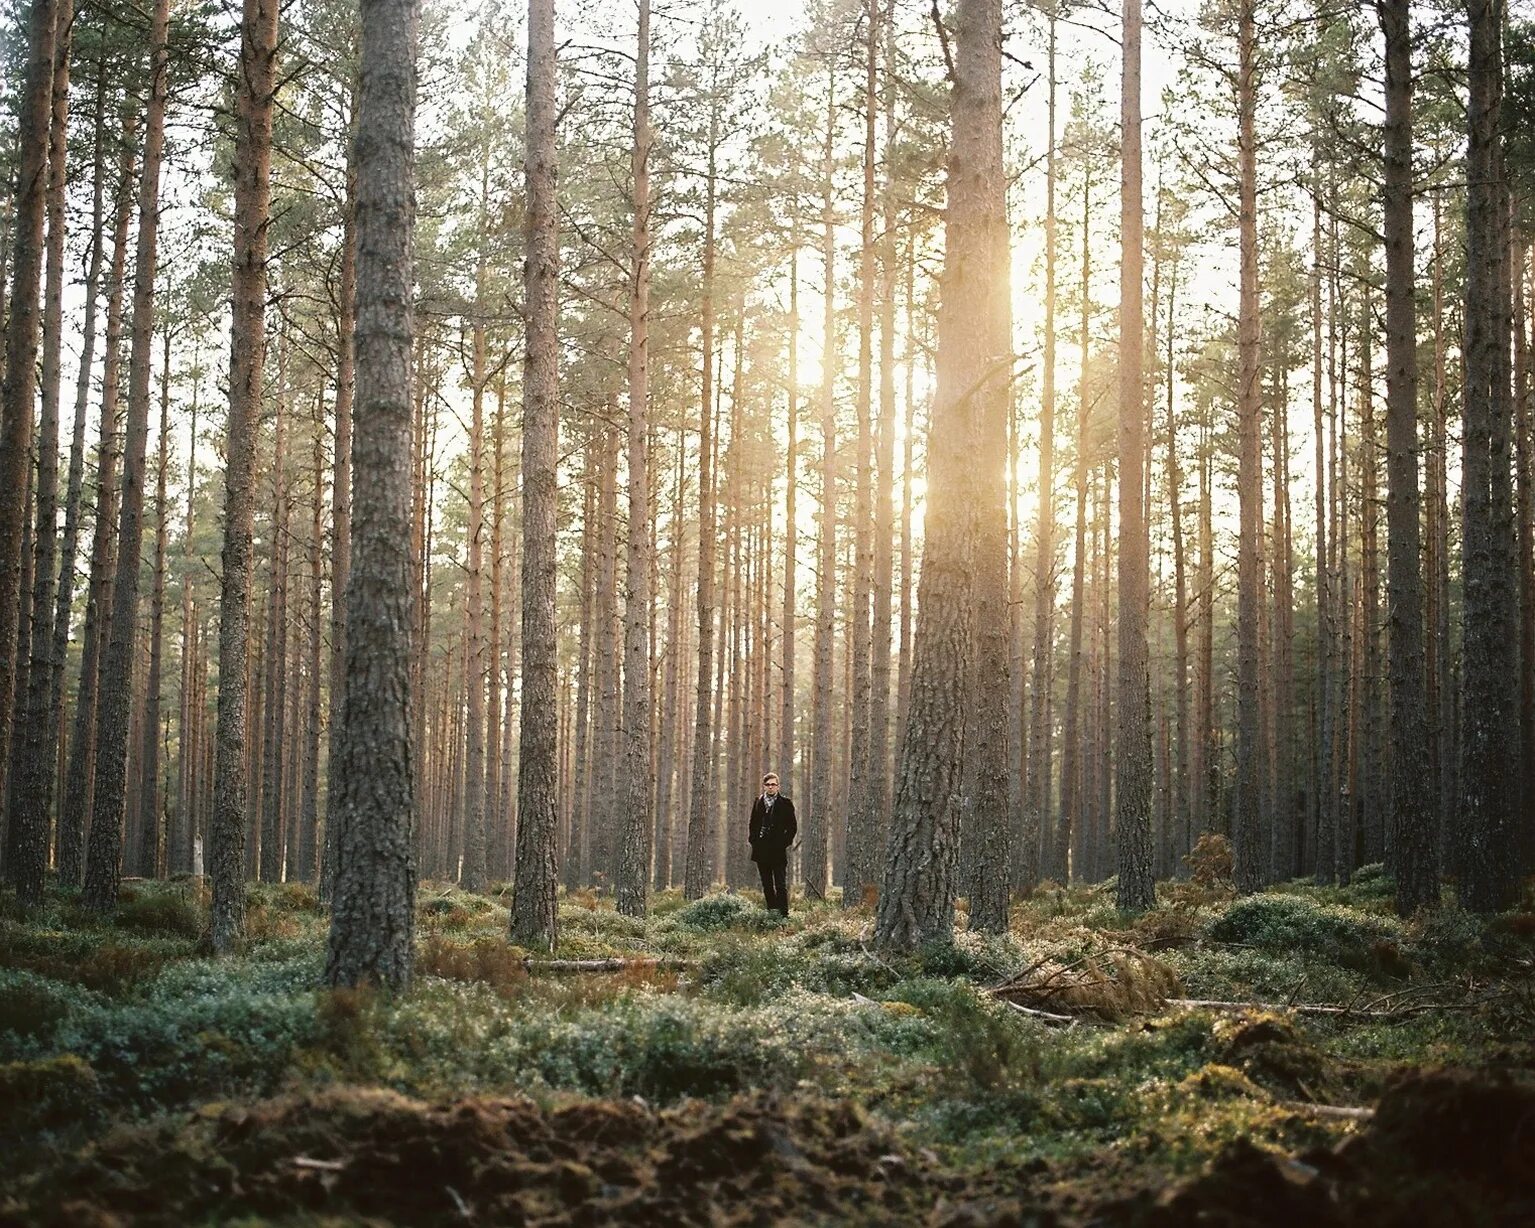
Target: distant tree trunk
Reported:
[(274, 740), (916, 902), (306, 860), (476, 870), (786, 740), (858, 866), (104, 850), (667, 757), (698, 872), (1067, 834), (499, 853), (80, 766), (1490, 866), (149, 756), (33, 750), (1411, 837), (533, 922), (635, 850), (884, 495), (373, 913), (1038, 831), (1246, 843), (1441, 688), (20, 385), (1321, 840), (1182, 817), (1137, 889), (817, 823)]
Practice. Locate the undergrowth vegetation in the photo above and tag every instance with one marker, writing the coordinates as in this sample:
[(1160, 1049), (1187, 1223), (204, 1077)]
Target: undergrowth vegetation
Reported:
[(1060, 1041)]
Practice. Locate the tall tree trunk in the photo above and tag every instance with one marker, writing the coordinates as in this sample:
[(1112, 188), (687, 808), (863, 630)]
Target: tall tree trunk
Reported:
[(1132, 794), (104, 850), (373, 912), (80, 767), (1038, 834), (274, 750), (20, 385), (1321, 840), (916, 903), (33, 751), (635, 850), (786, 740), (533, 922), (149, 756), (859, 865), (306, 862), (817, 828), (253, 157), (1489, 880), (698, 872), (1246, 842), (1412, 815), (341, 502)]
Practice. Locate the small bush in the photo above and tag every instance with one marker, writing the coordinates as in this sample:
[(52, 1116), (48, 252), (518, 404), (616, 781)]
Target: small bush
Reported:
[(172, 911), (724, 911), (31, 1007)]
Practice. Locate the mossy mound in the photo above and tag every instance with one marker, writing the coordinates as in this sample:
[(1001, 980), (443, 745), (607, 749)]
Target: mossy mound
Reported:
[(378, 1155)]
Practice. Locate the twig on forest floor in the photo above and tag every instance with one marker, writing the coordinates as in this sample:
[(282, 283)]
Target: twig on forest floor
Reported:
[(611, 964), (1343, 1112)]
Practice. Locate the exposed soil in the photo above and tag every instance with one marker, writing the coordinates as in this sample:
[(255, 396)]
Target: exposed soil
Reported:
[(1445, 1148)]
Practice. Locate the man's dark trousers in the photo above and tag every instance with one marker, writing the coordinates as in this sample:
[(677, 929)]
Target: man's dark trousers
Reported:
[(775, 886)]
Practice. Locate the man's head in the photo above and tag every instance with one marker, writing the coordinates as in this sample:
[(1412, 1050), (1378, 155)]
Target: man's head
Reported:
[(770, 784)]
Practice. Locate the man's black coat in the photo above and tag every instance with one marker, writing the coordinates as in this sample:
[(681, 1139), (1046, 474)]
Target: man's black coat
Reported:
[(772, 830)]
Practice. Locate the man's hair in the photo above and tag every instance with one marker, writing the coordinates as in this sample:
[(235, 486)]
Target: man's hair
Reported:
[(770, 776)]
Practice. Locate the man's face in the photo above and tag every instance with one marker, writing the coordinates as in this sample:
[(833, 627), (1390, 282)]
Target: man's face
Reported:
[(770, 786)]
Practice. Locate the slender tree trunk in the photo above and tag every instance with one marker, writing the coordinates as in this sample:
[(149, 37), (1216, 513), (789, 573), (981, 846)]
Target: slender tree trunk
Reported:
[(1412, 816), (533, 922), (104, 850), (274, 747), (373, 912), (817, 827), (635, 851), (1132, 794), (858, 867), (698, 872), (786, 740), (1246, 843), (149, 756)]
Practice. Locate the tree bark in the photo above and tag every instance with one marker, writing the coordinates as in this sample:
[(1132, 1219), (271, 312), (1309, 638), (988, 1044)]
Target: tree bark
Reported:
[(916, 903), (373, 912), (533, 921)]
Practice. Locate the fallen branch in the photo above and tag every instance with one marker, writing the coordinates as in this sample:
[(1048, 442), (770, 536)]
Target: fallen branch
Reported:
[(1342, 1112), (322, 1166), (1047, 1016), (611, 964), (1300, 1008)]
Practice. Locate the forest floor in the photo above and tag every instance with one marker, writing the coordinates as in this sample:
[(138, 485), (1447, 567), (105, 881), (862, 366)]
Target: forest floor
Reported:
[(737, 1068)]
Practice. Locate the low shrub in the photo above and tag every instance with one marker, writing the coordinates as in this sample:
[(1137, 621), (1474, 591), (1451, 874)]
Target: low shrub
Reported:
[(1294, 923), (487, 960), (725, 911), (31, 1008), (165, 910)]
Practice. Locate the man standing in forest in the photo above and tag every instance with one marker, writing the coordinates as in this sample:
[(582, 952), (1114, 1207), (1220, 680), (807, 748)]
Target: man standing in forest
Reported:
[(772, 831)]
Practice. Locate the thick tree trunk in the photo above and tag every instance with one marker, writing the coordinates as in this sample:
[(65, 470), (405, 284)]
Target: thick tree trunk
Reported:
[(373, 911), (104, 850), (1489, 879), (33, 750), (916, 903), (20, 385), (533, 922)]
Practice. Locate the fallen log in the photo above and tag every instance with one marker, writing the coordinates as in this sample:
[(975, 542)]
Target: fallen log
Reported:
[(1300, 1008)]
